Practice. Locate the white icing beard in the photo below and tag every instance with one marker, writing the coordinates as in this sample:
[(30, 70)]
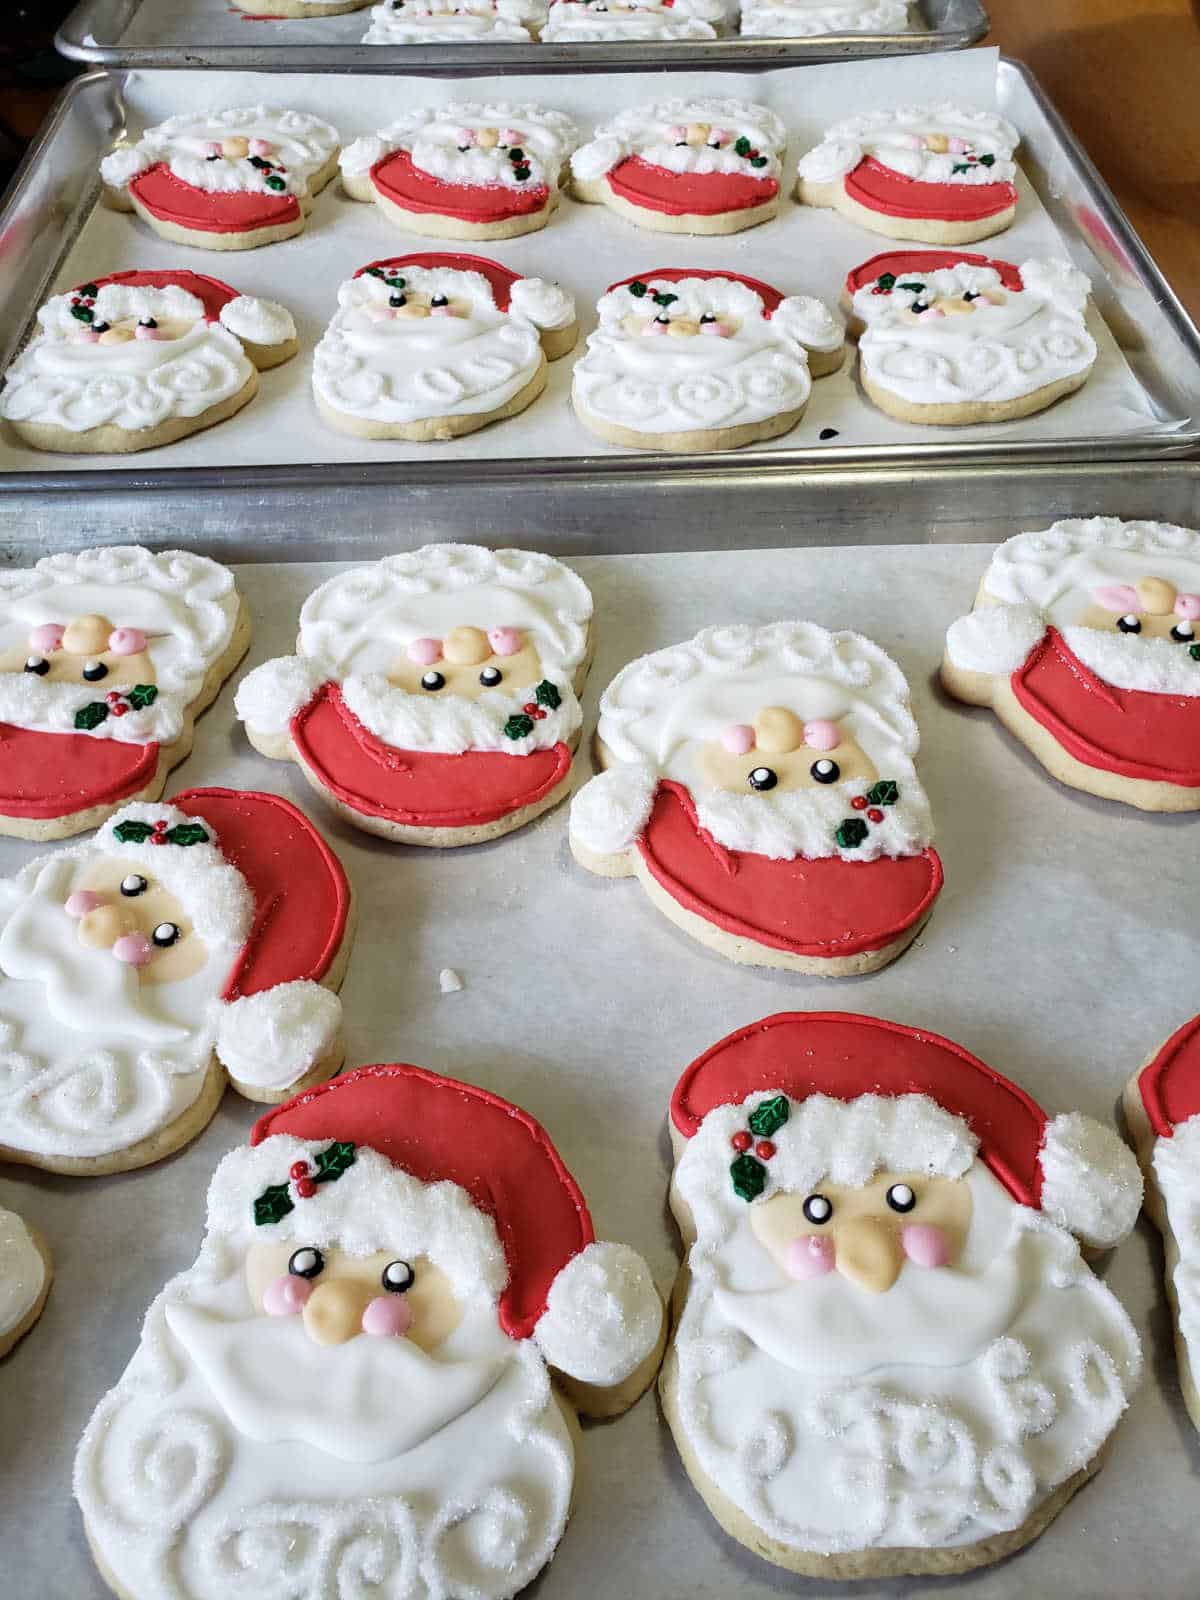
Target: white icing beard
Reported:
[(804, 822), (574, 21), (302, 144), (440, 157), (1177, 1173), (799, 19), (453, 21), (453, 724), (894, 139), (955, 1406), (474, 1506), (646, 131), (27, 701), (22, 1271), (995, 353)]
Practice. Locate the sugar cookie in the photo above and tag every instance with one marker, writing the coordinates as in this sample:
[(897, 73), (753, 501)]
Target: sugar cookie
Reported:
[(809, 19), (26, 1272), (455, 22), (582, 21)]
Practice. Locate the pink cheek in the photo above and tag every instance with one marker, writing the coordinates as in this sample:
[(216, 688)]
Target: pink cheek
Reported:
[(259, 147), (810, 1257), (377, 313), (85, 336), (387, 1316), (148, 333), (654, 330), (925, 1246), (134, 949), (425, 651), (46, 639), (83, 901), (443, 311), (505, 641), (286, 1296), (738, 738), (126, 641)]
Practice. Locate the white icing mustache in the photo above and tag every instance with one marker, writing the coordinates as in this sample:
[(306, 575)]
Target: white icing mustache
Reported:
[(87, 361), (432, 335)]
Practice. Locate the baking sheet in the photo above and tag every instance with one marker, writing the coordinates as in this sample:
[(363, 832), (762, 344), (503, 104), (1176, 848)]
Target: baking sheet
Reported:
[(1058, 952), (804, 250)]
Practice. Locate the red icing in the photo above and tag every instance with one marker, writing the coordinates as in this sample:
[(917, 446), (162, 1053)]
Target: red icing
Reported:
[(769, 297), (678, 194), (45, 775), (170, 199), (436, 1128), (499, 278), (1131, 732), (211, 291), (903, 262), (301, 895), (845, 1055), (1170, 1085), (398, 180), (419, 789), (880, 189), (825, 908)]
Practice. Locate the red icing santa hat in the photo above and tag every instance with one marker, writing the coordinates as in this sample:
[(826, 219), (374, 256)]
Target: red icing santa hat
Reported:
[(393, 1157), (896, 264), (771, 298), (802, 1096), (1170, 1085)]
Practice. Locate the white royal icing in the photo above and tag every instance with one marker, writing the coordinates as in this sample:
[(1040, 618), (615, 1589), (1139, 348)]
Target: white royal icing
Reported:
[(258, 321), (603, 1315), (666, 385), (651, 132), (1035, 337), (1177, 1174), (804, 19), (895, 138), (301, 145), (22, 1272), (659, 710), (271, 1039), (1091, 1182), (434, 138), (578, 21), (455, 21)]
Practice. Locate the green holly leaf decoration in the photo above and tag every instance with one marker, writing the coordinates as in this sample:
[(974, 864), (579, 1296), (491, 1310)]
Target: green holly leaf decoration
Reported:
[(142, 695), (917, 288), (91, 715), (518, 726), (769, 1116), (333, 1161), (273, 1204), (82, 312), (987, 161), (749, 1177), (743, 147), (374, 272), (884, 793), (887, 281), (637, 288), (960, 166), (547, 695), (187, 833), (851, 833), (521, 173), (132, 832), (275, 183), (516, 154), (758, 161), (1194, 651), (661, 298), (90, 290)]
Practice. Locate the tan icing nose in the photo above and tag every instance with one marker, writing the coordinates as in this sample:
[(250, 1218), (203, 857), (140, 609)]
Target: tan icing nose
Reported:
[(333, 1311), (88, 635), (696, 132), (939, 143), (466, 647), (1156, 596), (487, 138), (777, 730), (116, 335), (683, 328), (868, 1253), (236, 148), (412, 309), (101, 928)]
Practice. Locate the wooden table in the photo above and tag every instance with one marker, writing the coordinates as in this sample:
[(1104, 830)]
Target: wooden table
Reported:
[(1126, 75)]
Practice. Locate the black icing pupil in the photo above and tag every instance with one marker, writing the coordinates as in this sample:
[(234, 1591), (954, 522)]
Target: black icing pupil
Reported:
[(901, 1198), (825, 771), (1183, 633), (133, 885), (763, 778), (440, 300), (306, 1263), (38, 664), (147, 322), (100, 327), (817, 1208), (490, 677), (397, 300), (94, 671), (165, 934), (1129, 624), (397, 1277), (662, 319), (432, 680), (708, 317)]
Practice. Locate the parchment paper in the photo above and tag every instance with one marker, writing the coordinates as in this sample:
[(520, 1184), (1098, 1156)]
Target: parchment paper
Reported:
[(803, 250), (1063, 951)]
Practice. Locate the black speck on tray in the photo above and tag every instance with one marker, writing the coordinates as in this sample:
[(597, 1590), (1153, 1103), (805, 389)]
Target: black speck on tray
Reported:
[(828, 433)]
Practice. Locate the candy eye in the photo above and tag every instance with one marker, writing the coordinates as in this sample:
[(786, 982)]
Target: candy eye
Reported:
[(817, 1208), (971, 294), (166, 934), (100, 327), (763, 778), (1183, 633), (1129, 624), (432, 681), (306, 1263), (825, 771), (133, 885), (37, 664), (397, 300), (490, 677), (440, 300), (707, 317), (147, 322), (663, 319), (93, 671), (900, 1197), (397, 1277)]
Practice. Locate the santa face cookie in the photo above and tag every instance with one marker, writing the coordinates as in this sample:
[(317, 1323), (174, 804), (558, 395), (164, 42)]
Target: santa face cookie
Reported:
[(394, 1234), (140, 359), (807, 19), (464, 171), (939, 174), (429, 347), (1085, 641), (106, 658), (184, 946), (455, 22), (687, 360), (26, 1272), (953, 339), (685, 166), (889, 1355), (287, 9), (225, 180), (434, 695), (1162, 1112), (583, 21), (760, 784)]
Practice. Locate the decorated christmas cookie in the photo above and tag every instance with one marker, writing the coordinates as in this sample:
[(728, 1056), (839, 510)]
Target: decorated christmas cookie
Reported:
[(889, 1355), (760, 784), (1162, 1111), (455, 22), (1085, 641), (366, 1380), (140, 359), (580, 21), (106, 658), (688, 360), (428, 347), (685, 166), (464, 171), (224, 180), (954, 339), (940, 174), (183, 947), (805, 19), (276, 10), (433, 696), (26, 1272)]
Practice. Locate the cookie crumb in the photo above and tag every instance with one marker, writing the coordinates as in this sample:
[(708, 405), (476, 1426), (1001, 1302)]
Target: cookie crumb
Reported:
[(449, 981)]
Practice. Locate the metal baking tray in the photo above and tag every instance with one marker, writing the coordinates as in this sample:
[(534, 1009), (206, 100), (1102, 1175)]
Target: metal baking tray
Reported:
[(201, 33), (58, 185)]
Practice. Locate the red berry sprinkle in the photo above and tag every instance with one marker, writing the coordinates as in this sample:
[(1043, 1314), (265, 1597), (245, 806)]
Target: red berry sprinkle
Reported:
[(859, 802), (112, 697), (538, 714), (529, 707), (298, 1170), (874, 814), (741, 1141), (765, 1149), (119, 710), (305, 1188)]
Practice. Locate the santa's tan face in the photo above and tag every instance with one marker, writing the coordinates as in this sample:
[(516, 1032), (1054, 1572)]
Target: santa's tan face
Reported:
[(415, 305), (340, 1296), (104, 335), (779, 752), (89, 650), (468, 662), (1151, 608), (867, 1234), (121, 907), (665, 323)]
